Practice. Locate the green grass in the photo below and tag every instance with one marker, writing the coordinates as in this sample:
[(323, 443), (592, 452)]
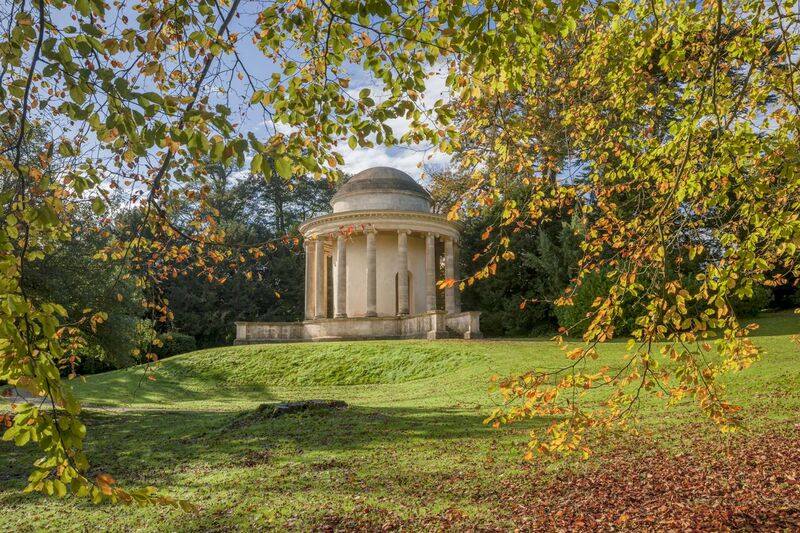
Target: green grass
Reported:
[(257, 368), (411, 446)]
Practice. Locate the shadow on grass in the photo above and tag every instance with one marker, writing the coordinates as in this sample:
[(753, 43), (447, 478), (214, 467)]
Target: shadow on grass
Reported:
[(159, 446), (131, 385)]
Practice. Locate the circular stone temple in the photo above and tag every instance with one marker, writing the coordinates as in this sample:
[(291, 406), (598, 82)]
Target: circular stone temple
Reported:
[(373, 266)]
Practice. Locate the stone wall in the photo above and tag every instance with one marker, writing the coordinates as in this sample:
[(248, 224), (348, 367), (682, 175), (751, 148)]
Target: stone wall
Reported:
[(270, 331), (466, 324), (432, 325)]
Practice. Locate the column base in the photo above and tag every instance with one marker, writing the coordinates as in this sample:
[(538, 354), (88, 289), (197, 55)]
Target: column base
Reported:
[(318, 317), (371, 314), (340, 315)]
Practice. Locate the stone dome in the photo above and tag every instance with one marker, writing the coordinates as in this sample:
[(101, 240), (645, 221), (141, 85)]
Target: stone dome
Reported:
[(383, 189)]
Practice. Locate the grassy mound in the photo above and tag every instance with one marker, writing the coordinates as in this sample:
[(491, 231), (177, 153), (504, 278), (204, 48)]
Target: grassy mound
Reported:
[(304, 364), (228, 369), (243, 373)]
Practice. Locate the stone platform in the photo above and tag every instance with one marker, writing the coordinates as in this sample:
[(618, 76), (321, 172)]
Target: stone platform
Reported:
[(430, 325)]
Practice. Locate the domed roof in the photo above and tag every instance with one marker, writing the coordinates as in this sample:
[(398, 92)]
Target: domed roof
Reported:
[(381, 189), (381, 179)]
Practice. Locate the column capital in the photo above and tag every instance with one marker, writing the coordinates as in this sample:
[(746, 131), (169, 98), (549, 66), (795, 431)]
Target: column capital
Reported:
[(406, 231)]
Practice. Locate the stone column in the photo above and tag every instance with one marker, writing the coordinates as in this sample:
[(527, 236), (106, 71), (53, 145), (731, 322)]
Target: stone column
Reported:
[(449, 273), (319, 278), (457, 272), (402, 272), (341, 277), (308, 245), (430, 272), (372, 280)]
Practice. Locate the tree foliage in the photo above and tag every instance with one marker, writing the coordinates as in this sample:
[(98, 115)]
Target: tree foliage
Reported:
[(519, 299), (680, 118), (269, 288), (677, 136)]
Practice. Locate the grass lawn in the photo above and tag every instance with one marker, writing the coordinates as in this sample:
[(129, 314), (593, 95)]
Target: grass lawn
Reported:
[(411, 451)]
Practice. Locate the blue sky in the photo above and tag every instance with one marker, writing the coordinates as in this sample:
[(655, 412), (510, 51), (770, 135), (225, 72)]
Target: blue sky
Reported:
[(409, 158), (226, 88)]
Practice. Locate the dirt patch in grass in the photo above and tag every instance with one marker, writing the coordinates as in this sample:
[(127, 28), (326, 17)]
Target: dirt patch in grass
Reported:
[(272, 410), (255, 458)]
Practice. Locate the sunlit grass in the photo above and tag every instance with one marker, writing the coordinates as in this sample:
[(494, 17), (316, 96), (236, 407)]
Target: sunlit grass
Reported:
[(412, 443)]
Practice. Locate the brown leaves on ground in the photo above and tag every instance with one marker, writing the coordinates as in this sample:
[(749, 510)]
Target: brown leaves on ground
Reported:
[(752, 483)]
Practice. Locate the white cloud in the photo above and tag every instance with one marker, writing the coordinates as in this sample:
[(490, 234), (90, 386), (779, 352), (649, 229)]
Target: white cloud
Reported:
[(408, 158), (285, 129)]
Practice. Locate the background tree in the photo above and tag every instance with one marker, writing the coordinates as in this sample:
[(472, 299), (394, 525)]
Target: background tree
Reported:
[(251, 210), (678, 119), (71, 276), (76, 280), (517, 300)]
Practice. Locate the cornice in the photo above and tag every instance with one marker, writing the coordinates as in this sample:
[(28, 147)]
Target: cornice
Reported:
[(369, 216)]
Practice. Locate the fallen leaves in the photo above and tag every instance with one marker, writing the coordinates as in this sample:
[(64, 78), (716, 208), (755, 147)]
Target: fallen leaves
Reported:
[(751, 483)]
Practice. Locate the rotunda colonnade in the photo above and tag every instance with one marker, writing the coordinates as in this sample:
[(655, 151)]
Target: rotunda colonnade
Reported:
[(373, 265)]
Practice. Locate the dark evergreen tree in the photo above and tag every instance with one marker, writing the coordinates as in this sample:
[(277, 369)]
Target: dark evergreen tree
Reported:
[(253, 211), (545, 263)]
